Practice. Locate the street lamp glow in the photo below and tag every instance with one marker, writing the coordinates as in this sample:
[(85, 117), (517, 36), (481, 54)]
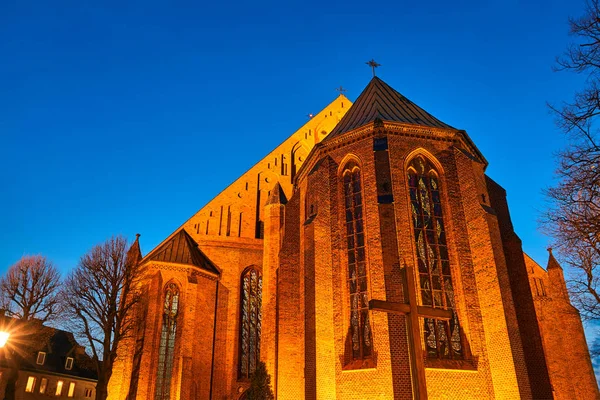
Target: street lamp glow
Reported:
[(3, 338)]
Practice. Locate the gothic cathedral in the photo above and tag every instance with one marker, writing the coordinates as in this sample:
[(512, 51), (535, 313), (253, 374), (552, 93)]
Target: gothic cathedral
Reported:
[(369, 256)]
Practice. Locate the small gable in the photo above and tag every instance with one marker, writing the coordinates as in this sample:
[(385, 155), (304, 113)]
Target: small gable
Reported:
[(182, 249)]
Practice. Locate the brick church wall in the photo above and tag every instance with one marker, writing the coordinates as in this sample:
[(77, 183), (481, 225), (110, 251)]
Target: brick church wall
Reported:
[(563, 337), (300, 247), (521, 292)]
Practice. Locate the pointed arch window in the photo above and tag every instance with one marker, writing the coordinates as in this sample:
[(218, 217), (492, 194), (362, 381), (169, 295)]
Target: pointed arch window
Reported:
[(250, 322), (442, 338), (167, 342), (360, 330)]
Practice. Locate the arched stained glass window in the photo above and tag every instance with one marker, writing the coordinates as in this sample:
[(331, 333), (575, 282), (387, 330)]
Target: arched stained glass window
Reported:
[(360, 329), (167, 342), (250, 317), (442, 338)]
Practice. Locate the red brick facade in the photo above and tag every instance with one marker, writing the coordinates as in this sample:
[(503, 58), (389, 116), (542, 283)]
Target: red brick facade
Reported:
[(287, 218)]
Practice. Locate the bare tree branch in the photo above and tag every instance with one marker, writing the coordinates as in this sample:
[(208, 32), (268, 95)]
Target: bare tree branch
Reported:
[(99, 296), (573, 218), (29, 289)]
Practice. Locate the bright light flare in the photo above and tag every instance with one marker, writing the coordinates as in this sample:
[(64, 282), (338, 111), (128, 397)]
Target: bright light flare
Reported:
[(3, 338)]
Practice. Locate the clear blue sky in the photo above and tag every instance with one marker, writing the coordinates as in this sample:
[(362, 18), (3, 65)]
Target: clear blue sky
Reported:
[(126, 117)]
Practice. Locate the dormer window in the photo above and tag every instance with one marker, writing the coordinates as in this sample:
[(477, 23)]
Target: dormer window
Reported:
[(41, 358), (69, 363)]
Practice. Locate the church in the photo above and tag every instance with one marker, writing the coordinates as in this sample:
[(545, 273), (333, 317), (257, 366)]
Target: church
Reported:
[(368, 256)]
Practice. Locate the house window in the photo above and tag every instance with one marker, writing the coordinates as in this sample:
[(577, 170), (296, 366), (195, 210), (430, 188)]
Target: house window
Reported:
[(71, 391), (59, 387), (250, 317), (88, 393), (167, 342), (442, 338), (41, 358), (43, 385), (69, 363), (30, 384)]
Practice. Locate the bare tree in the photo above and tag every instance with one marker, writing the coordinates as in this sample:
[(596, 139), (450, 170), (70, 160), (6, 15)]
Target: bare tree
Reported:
[(100, 297), (29, 289), (28, 293), (574, 215)]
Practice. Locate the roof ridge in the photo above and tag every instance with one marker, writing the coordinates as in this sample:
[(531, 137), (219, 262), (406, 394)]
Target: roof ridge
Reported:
[(181, 248), (380, 100)]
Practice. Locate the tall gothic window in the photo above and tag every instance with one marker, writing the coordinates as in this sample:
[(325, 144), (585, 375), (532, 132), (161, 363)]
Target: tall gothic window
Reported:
[(167, 342), (442, 338), (360, 330), (251, 314)]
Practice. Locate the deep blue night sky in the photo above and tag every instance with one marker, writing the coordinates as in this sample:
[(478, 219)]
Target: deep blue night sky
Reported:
[(128, 117)]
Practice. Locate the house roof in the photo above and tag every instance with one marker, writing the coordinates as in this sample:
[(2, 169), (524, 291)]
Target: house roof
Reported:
[(32, 337), (380, 101), (182, 249)]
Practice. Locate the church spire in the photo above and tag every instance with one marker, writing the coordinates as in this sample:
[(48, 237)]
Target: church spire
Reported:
[(134, 254), (552, 263), (556, 276)]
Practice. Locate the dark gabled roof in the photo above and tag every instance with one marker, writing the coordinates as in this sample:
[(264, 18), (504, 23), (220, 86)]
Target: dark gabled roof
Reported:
[(182, 249), (380, 101), (31, 337)]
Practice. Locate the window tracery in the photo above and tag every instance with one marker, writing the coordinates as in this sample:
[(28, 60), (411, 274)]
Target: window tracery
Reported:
[(442, 338), (250, 322), (360, 330), (167, 342)]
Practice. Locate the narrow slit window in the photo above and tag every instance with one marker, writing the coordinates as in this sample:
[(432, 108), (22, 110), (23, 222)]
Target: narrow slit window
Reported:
[(250, 322), (360, 330), (167, 342)]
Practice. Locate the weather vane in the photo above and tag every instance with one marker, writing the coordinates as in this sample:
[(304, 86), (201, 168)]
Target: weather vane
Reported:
[(373, 65), (341, 90)]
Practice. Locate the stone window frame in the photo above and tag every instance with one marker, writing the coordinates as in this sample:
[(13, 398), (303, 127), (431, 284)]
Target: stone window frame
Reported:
[(349, 361), (469, 361), (178, 329), (245, 376)]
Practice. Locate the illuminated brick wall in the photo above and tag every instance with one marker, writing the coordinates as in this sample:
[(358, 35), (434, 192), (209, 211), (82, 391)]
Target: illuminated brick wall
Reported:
[(565, 347)]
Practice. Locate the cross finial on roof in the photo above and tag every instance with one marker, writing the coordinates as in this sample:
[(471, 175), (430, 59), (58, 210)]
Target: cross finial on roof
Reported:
[(341, 90), (373, 65)]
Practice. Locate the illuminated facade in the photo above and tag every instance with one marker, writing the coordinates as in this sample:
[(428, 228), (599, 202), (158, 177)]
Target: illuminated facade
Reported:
[(369, 256)]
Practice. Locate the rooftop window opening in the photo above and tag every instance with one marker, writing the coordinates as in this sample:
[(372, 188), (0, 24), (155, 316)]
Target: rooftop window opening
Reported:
[(41, 358), (69, 363)]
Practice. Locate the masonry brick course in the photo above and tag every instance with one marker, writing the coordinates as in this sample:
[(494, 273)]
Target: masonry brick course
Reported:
[(285, 217)]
